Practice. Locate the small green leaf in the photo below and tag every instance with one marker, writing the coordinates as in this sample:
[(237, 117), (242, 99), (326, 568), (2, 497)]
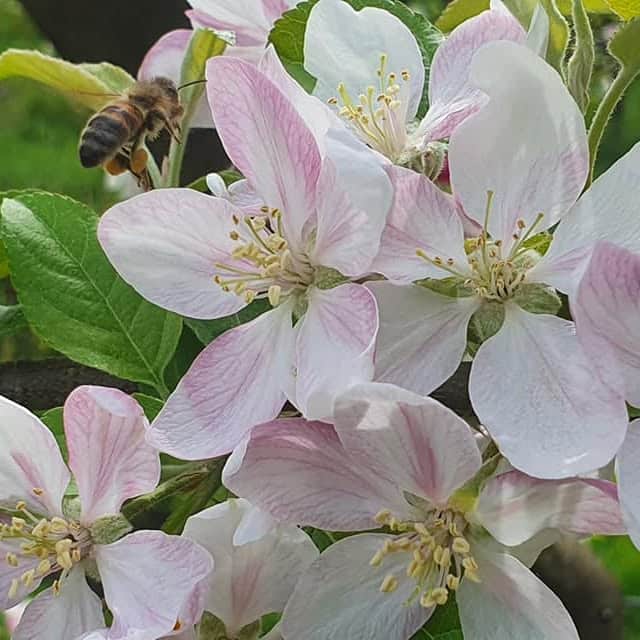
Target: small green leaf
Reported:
[(626, 9), (53, 419), (624, 45), (288, 32), (580, 67), (74, 299), (12, 320), (91, 85), (209, 330)]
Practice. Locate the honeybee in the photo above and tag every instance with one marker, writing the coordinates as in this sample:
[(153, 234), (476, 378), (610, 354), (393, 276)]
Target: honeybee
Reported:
[(114, 136)]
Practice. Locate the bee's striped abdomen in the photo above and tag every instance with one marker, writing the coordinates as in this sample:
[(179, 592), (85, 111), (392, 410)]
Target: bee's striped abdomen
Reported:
[(107, 132)]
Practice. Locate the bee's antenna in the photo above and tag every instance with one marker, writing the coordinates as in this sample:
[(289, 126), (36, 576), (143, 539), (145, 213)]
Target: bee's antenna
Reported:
[(188, 84)]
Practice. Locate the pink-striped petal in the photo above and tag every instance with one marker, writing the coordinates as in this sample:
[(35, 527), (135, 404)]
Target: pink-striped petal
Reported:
[(629, 480), (253, 578), (71, 614), (111, 461), (413, 441), (299, 472), (235, 383), (452, 95), (534, 388), (266, 139), (528, 145), (606, 309), (511, 602), (334, 347), (9, 573), (148, 578), (339, 596), (607, 211), (165, 56), (421, 347), (166, 245), (514, 507), (31, 466), (421, 217)]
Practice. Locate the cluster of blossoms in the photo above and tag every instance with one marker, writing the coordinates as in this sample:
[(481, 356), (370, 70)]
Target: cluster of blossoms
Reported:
[(381, 277)]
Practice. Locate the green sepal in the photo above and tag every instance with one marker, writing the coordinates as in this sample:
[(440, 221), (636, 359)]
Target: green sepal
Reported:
[(109, 529), (580, 67), (452, 287), (328, 278), (537, 298), (484, 324)]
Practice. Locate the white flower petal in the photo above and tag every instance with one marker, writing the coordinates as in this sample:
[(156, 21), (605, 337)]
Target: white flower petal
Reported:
[(629, 480)]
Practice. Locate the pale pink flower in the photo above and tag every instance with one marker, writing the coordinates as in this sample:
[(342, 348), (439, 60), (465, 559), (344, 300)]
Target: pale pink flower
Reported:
[(203, 257), (369, 66), (517, 167), (606, 308), (148, 577), (250, 22), (258, 562), (408, 463)]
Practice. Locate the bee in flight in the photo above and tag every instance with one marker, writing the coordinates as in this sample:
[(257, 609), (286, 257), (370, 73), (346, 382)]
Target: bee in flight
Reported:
[(114, 136)]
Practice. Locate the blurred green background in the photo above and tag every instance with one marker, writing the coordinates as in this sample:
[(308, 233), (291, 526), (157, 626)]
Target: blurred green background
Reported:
[(39, 132)]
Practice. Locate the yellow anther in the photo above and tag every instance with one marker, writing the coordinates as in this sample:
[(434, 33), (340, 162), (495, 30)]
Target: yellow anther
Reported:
[(18, 524), (453, 582), (43, 567), (460, 545), (377, 559), (12, 559), (38, 491), (274, 295), (521, 223), (42, 529), (64, 560), (333, 101), (28, 577), (440, 595), (389, 584), (240, 287), (234, 235), (76, 555), (21, 506), (235, 219), (413, 567), (55, 587), (405, 75), (470, 564), (249, 296), (421, 528), (382, 517), (427, 600), (13, 589), (63, 546)]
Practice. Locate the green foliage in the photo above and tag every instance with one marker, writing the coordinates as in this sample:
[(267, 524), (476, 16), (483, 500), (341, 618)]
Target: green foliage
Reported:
[(74, 299), (150, 405), (209, 330), (287, 36), (53, 418), (90, 85), (580, 67), (12, 320)]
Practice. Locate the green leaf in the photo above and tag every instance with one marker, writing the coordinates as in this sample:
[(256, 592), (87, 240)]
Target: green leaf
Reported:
[(287, 36), (74, 299), (12, 320), (53, 419), (580, 67), (209, 330), (624, 45), (619, 555), (150, 405), (188, 349), (444, 624), (626, 9), (91, 85), (458, 11)]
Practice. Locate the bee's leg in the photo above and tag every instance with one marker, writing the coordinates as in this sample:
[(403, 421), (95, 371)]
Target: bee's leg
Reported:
[(174, 130), (138, 158)]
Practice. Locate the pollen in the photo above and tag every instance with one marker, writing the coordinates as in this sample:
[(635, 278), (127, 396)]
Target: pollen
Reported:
[(262, 265), (47, 545), (377, 115), (438, 555)]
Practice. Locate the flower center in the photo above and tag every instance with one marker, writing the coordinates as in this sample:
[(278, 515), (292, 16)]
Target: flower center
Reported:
[(263, 265), (439, 555), (57, 543), (377, 115), (494, 275)]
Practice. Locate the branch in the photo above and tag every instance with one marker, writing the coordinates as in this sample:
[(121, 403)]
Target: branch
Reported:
[(44, 384)]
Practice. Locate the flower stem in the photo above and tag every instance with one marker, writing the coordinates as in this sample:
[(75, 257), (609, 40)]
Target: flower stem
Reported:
[(604, 111)]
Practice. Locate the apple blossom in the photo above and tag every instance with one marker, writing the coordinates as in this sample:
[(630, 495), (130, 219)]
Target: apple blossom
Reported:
[(203, 257), (606, 308), (531, 131), (408, 464), (258, 562), (369, 66), (148, 577), (249, 21)]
